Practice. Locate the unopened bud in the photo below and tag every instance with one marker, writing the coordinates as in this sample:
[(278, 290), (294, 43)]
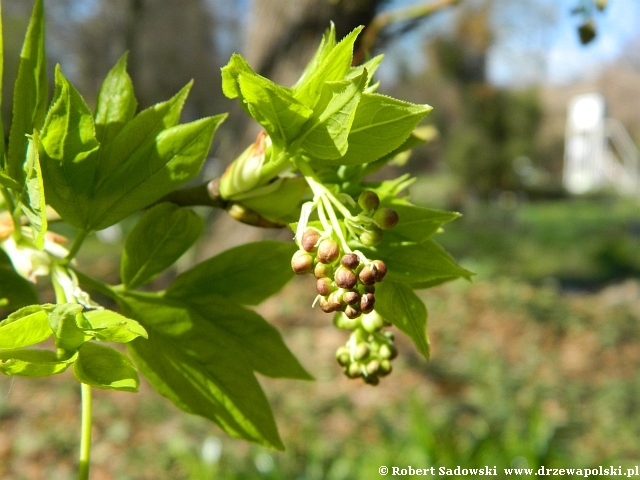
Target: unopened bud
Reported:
[(360, 351), (323, 271), (368, 200), (368, 275), (371, 237), (366, 302), (335, 301), (354, 370), (372, 322), (385, 368), (351, 312), (323, 286), (351, 298), (309, 240), (372, 367), (350, 261), (324, 305), (388, 352), (328, 251), (345, 278), (372, 379), (381, 270), (342, 355), (386, 218), (302, 263)]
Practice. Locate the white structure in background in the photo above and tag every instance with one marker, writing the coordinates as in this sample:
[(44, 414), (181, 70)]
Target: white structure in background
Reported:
[(598, 150)]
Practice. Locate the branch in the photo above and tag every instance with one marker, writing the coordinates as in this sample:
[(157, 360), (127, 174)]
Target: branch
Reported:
[(382, 20)]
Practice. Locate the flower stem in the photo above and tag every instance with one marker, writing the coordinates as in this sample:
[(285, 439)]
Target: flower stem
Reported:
[(85, 439), (77, 243)]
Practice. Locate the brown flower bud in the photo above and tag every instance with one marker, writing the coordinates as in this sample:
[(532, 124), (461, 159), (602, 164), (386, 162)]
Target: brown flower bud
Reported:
[(368, 200), (323, 286), (350, 261), (351, 297), (366, 302), (302, 263), (381, 270), (323, 271), (345, 278), (335, 301), (386, 218), (328, 251), (324, 305), (309, 240), (351, 312), (368, 275)]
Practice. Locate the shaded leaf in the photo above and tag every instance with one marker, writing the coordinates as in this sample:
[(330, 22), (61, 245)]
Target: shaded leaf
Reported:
[(34, 363), (17, 291), (67, 322), (104, 367), (108, 326)]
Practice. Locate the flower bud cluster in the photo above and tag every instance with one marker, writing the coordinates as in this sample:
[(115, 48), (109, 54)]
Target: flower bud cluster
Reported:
[(374, 219), (344, 282), (369, 350)]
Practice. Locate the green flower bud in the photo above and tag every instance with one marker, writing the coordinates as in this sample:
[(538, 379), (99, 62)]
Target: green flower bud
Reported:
[(389, 334), (342, 355), (368, 200), (388, 351), (309, 240), (372, 367), (372, 322), (371, 237), (386, 218), (385, 368), (341, 321), (351, 312), (328, 251), (372, 379), (324, 286), (351, 298), (350, 261), (369, 289), (366, 302), (361, 351), (302, 263), (368, 275), (323, 271), (345, 278), (354, 370), (381, 270)]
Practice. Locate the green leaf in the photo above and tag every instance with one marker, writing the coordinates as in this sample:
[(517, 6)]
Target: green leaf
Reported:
[(415, 263), (326, 132), (68, 150), (116, 103), (187, 361), (381, 124), (104, 367), (370, 66), (327, 44), (334, 67), (273, 107), (432, 283), (247, 274), (417, 224), (158, 167), (161, 236), (68, 325), (2, 144), (411, 142), (17, 291), (34, 363), (33, 203), (397, 303), (108, 326), (139, 134), (30, 93), (23, 328), (6, 181), (281, 202)]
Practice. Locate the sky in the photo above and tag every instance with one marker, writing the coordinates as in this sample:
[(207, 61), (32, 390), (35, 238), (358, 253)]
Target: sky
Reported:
[(536, 41)]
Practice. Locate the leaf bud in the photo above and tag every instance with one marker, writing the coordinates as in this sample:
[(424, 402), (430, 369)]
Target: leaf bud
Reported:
[(371, 237), (360, 351), (350, 261), (351, 297), (310, 240), (372, 367), (302, 263), (323, 286), (386, 218), (366, 302), (368, 275), (328, 251), (381, 270), (372, 322), (345, 278), (351, 312), (323, 271), (368, 200)]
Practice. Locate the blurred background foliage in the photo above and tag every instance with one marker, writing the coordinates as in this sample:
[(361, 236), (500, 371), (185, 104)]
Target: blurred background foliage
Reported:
[(533, 363)]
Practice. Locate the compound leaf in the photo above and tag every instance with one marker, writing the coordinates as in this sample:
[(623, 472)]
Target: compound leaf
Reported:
[(397, 303), (34, 363), (247, 274), (108, 326), (23, 328), (104, 367), (163, 233), (68, 325)]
